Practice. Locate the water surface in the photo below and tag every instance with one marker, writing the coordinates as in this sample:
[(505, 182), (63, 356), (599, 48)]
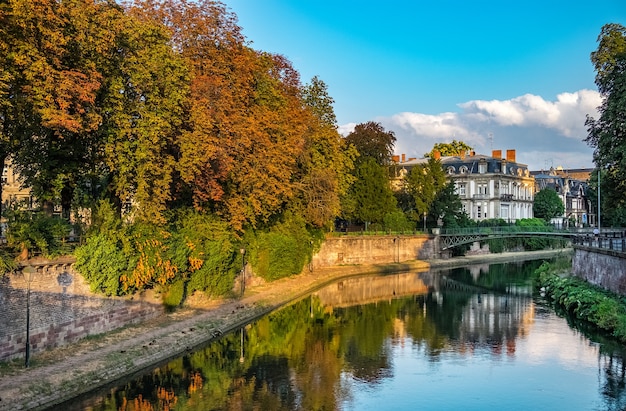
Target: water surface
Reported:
[(471, 339)]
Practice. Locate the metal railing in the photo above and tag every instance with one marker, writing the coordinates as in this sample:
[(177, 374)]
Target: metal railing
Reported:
[(613, 242)]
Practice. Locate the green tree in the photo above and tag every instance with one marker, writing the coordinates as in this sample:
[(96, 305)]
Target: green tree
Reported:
[(447, 206), (422, 186), (547, 205), (607, 133), (372, 193), (372, 141), (449, 149)]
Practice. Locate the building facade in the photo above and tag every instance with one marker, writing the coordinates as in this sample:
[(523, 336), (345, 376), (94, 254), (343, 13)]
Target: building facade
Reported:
[(488, 186), (572, 188), (492, 186)]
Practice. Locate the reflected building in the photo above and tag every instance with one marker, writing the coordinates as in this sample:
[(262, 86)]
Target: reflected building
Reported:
[(495, 321), (486, 319)]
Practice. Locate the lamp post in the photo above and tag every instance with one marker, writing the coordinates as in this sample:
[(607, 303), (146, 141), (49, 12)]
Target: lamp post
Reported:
[(241, 357), (599, 226), (424, 222), (243, 270), (28, 272)]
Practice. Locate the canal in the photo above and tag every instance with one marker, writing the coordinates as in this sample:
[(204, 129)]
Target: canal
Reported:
[(475, 338)]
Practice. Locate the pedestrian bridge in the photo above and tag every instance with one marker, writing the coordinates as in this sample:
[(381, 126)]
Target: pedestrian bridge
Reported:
[(453, 237)]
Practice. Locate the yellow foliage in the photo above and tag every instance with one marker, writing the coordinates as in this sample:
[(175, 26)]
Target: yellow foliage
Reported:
[(195, 264)]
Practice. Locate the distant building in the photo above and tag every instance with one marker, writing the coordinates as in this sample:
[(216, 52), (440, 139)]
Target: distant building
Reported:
[(12, 190), (572, 188), (488, 186)]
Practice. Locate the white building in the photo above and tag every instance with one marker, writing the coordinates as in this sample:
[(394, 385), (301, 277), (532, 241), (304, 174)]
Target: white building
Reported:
[(489, 186)]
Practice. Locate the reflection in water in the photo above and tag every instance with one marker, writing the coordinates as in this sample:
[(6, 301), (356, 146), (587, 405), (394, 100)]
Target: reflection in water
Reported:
[(469, 338)]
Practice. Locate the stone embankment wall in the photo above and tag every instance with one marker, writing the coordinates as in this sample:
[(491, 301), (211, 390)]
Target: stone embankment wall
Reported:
[(602, 267), (62, 309), (349, 250)]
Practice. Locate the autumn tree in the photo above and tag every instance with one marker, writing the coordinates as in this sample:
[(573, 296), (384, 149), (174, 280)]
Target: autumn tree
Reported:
[(239, 149), (607, 134), (145, 97), (93, 90), (454, 148), (371, 140), (49, 82), (326, 161)]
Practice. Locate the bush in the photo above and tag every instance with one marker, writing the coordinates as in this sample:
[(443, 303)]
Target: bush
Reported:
[(284, 249), (397, 221), (587, 302), (35, 232), (195, 252), (102, 262)]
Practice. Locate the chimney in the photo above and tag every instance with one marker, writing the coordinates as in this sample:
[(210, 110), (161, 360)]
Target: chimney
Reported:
[(395, 159), (497, 154), (472, 153), (462, 154), (510, 156), (436, 154), (403, 157)]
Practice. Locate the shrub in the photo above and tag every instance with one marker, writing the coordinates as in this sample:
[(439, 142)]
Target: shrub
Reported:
[(36, 232), (284, 249), (102, 262), (397, 221), (587, 302)]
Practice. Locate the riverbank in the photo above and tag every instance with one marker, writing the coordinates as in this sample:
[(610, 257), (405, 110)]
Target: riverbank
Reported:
[(63, 373)]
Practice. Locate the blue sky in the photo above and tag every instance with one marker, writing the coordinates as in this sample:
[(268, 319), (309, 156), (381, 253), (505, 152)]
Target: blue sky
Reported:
[(495, 74)]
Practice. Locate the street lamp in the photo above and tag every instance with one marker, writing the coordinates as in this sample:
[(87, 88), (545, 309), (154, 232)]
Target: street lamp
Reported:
[(28, 272), (424, 222), (599, 225), (243, 270), (241, 357)]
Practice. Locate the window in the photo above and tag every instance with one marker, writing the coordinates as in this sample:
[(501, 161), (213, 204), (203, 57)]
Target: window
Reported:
[(478, 212), (463, 169), (504, 212), (482, 168), (461, 189), (451, 170)]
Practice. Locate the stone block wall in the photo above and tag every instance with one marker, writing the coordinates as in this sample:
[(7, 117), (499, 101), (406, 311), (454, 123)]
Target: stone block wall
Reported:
[(347, 250), (62, 309), (602, 267)]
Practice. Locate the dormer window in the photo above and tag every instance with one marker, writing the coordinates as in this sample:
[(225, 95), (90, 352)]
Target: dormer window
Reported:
[(463, 169), (482, 168), (451, 170)]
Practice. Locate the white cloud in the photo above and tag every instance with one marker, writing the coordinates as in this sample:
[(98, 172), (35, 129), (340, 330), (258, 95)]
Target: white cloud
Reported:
[(543, 132), (566, 115)]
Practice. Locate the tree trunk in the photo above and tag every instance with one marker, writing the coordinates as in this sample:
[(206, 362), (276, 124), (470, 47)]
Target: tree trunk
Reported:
[(48, 207), (66, 201)]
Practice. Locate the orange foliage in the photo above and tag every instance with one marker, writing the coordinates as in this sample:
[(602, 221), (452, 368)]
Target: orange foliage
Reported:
[(151, 268), (196, 383), (167, 399)]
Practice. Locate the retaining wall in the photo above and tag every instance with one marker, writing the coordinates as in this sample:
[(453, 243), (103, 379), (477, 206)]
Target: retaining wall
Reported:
[(62, 309), (348, 250), (602, 267)]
